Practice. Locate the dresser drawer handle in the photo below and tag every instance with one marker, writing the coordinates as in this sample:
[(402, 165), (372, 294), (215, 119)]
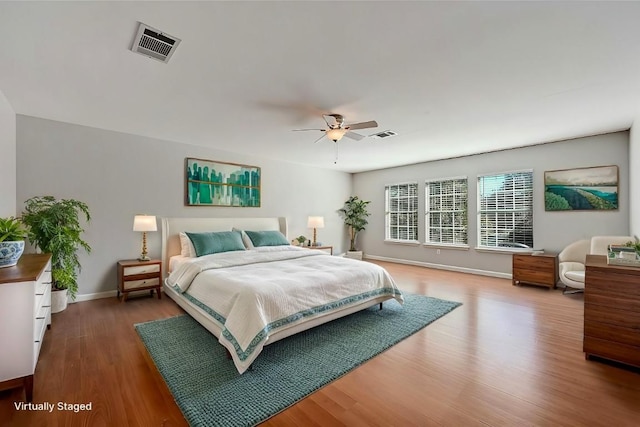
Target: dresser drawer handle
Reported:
[(39, 318), (46, 306), (40, 294), (47, 283)]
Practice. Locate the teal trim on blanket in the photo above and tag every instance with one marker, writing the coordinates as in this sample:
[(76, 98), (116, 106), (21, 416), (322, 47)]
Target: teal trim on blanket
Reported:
[(280, 323)]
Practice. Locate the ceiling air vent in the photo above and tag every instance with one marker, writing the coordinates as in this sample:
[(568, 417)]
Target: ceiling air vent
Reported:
[(154, 43), (385, 134)]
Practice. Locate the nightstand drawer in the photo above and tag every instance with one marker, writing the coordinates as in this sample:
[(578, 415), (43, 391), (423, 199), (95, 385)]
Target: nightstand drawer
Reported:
[(535, 276), (140, 269), (533, 261), (144, 283)]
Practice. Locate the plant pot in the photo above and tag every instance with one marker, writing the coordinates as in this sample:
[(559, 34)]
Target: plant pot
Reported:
[(10, 252), (59, 299), (354, 255)]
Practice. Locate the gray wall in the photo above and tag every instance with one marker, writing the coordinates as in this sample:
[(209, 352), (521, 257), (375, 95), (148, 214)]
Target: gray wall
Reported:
[(552, 230), (119, 175), (7, 158)]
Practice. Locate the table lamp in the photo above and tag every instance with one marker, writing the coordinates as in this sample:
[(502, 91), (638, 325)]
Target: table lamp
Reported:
[(315, 222), (144, 223)]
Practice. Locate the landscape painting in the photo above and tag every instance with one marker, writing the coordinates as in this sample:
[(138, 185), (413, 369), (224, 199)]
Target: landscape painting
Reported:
[(594, 188), (212, 183)]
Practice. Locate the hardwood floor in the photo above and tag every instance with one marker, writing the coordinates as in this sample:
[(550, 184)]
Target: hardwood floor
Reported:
[(509, 356)]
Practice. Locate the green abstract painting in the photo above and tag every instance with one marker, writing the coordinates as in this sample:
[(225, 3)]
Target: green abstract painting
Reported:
[(212, 183)]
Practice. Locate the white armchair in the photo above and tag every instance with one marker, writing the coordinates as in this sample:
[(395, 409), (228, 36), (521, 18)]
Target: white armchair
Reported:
[(572, 259), (571, 265)]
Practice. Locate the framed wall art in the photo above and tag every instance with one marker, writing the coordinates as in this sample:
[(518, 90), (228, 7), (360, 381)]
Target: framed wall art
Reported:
[(213, 183), (582, 189)]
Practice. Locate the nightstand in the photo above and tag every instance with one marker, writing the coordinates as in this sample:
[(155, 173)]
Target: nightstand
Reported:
[(539, 269), (328, 249), (134, 275)]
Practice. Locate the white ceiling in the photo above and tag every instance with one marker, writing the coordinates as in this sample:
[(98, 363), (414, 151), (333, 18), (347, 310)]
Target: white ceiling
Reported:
[(451, 78)]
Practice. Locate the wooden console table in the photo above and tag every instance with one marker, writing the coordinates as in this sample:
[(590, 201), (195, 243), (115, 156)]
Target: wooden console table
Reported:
[(612, 311)]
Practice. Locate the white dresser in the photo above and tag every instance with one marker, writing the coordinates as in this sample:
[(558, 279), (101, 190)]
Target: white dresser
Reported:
[(25, 314)]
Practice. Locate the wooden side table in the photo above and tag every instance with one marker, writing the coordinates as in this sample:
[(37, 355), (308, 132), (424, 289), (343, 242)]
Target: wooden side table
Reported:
[(536, 269), (134, 275)]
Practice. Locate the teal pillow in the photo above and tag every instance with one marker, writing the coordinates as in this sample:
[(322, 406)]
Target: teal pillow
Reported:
[(267, 238), (216, 242)]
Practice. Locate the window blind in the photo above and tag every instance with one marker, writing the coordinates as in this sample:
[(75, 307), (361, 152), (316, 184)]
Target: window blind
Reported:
[(401, 212), (446, 211), (505, 210)]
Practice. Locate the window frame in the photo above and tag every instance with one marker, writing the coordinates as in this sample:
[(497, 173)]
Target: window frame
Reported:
[(388, 213), (513, 211), (453, 211)]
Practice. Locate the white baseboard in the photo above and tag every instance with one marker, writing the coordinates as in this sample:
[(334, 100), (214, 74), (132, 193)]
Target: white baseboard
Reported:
[(98, 295), (441, 266)]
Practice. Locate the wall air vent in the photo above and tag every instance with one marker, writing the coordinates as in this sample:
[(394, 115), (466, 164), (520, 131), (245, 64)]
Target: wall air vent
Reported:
[(385, 134), (154, 43)]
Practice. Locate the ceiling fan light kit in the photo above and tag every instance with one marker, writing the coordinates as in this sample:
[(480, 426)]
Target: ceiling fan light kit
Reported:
[(336, 128), (336, 134)]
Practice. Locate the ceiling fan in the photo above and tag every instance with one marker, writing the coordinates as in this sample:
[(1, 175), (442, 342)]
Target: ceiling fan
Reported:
[(336, 128)]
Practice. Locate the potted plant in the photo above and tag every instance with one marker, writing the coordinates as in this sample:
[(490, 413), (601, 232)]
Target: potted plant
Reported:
[(301, 240), (355, 216), (54, 227), (634, 244), (12, 235)]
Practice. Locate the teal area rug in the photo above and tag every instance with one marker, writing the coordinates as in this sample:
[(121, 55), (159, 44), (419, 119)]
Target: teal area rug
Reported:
[(210, 392)]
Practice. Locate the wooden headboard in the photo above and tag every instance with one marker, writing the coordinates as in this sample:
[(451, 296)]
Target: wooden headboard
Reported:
[(171, 228)]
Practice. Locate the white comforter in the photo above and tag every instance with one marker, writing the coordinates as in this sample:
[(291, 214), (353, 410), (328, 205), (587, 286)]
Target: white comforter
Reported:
[(255, 293)]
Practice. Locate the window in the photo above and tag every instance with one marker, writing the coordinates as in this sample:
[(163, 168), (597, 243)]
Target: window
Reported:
[(505, 210), (401, 216), (446, 211)]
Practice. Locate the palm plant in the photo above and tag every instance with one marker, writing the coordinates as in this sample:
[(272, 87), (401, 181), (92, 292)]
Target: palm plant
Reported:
[(54, 227), (355, 216)]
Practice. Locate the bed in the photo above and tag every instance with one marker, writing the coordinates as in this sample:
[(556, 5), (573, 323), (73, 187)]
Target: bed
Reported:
[(253, 297)]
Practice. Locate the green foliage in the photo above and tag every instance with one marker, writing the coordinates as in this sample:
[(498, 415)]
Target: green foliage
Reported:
[(54, 227), (355, 216), (595, 201), (635, 245), (554, 202), (11, 230), (301, 239)]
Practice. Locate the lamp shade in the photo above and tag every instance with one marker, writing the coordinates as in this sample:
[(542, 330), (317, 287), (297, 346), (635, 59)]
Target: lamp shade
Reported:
[(144, 223), (336, 134), (315, 222)]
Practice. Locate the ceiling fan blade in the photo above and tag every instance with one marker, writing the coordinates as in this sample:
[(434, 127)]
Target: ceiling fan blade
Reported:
[(302, 130), (318, 140), (354, 135), (363, 125), (330, 120)]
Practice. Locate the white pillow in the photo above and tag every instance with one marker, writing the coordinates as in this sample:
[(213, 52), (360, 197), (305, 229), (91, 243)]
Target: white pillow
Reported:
[(245, 238), (186, 247)]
